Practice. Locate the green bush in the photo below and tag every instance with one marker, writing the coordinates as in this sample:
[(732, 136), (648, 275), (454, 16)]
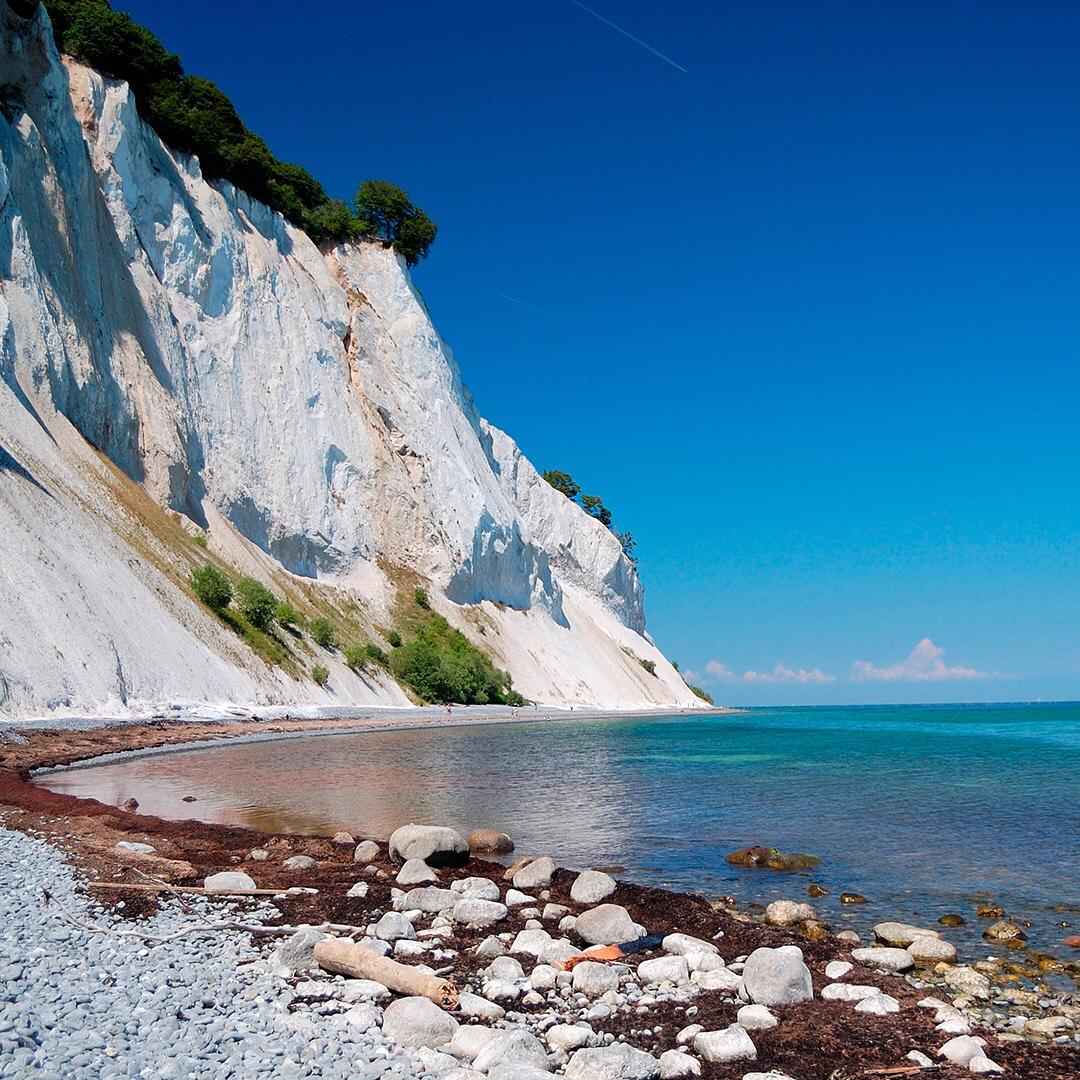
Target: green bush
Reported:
[(441, 664), (256, 602), (212, 587), (648, 665), (376, 655), (393, 639), (384, 212), (320, 674), (421, 598), (355, 657), (703, 694), (322, 633), (286, 614), (564, 482), (200, 539)]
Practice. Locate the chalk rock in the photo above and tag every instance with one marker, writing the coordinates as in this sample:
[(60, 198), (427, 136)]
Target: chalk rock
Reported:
[(878, 1005), (568, 1037), (516, 898), (847, 992), (932, 950), (592, 886), (136, 847), (489, 842), (777, 976), (837, 969), (475, 912), (917, 1057), (535, 875), (615, 1062), (366, 851), (473, 1005), (730, 1044), (967, 981), (684, 944), (469, 1040), (787, 913), (673, 969), (393, 926), (516, 1046), (756, 1018), (608, 924), (981, 1064), (594, 979), (477, 888), (297, 952), (434, 844), (299, 862), (675, 1064), (962, 1049), (901, 935), (416, 872), (416, 1021), (364, 1017), (490, 947), (884, 959), (428, 899), (718, 979), (358, 890), (531, 942), (227, 881)]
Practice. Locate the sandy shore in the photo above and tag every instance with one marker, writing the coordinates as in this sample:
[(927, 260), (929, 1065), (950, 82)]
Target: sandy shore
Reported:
[(815, 1040)]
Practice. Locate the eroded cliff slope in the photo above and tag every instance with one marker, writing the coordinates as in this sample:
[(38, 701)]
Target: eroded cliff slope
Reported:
[(180, 367)]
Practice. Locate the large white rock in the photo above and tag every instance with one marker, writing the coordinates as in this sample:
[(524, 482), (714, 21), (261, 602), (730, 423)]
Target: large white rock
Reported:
[(615, 1062), (671, 969), (901, 935), (366, 851), (730, 1044), (469, 1040), (532, 942), (393, 925), (416, 1021), (608, 924), (475, 912), (675, 1064), (473, 1005), (428, 899), (416, 872), (931, 950), (517, 1047), (962, 1049), (878, 1005), (535, 875), (434, 845), (684, 945), (567, 1037), (777, 976), (476, 888), (228, 881), (847, 992), (884, 958), (787, 913), (756, 1018), (594, 979), (592, 886)]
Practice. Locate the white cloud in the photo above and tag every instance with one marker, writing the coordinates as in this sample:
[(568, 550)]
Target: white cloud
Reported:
[(924, 664), (781, 673)]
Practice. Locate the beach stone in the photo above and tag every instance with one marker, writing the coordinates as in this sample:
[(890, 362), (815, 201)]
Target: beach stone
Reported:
[(416, 872), (358, 890), (931, 950), (1048, 1027), (299, 862), (878, 1005), (297, 953), (686, 1036), (490, 947), (555, 952), (615, 1062), (954, 1025), (730, 1044), (967, 981), (489, 842), (506, 967), (981, 1064), (428, 899), (901, 935), (554, 911), (885, 959), (531, 942), (568, 1037), (535, 875), (366, 851), (228, 880), (364, 1017), (434, 844), (849, 936), (512, 1070), (345, 839), (136, 847), (837, 969), (469, 1040), (516, 898), (847, 992), (416, 1021), (514, 1047), (772, 1074), (479, 1008), (258, 854), (1004, 931), (677, 1063), (721, 978), (852, 898), (502, 990), (363, 989), (543, 977), (592, 886), (594, 979), (704, 961), (962, 1049), (917, 1057), (475, 912), (756, 1018), (477, 888), (673, 969), (394, 926), (777, 976), (684, 944), (787, 913), (608, 924)]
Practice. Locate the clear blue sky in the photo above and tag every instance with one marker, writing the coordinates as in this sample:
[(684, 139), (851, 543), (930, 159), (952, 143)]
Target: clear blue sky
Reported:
[(805, 314)]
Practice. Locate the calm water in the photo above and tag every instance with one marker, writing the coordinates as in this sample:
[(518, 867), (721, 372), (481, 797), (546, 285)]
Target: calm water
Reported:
[(921, 809)]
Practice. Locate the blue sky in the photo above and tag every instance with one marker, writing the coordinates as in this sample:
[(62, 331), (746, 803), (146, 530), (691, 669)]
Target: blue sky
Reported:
[(804, 314)]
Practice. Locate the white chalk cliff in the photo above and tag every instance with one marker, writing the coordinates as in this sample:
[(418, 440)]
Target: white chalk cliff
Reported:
[(169, 344)]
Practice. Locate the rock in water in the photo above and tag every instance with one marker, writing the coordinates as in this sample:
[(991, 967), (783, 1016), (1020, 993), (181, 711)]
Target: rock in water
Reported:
[(777, 976), (436, 845), (901, 935), (884, 958), (608, 924), (535, 875), (787, 913), (489, 842), (615, 1062), (416, 1021)]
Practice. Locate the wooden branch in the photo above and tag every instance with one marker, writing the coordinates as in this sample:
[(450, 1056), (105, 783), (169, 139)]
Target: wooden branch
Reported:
[(190, 889), (348, 958)]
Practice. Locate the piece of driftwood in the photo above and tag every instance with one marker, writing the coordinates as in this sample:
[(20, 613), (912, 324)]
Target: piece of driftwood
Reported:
[(198, 889), (347, 958)]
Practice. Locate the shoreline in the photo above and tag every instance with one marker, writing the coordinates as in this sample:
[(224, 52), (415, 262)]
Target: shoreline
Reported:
[(812, 1039)]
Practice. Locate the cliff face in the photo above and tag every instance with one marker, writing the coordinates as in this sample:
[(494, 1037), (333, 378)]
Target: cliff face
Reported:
[(168, 343)]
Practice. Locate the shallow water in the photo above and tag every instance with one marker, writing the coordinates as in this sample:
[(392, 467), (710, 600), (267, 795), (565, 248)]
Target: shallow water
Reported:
[(923, 810)]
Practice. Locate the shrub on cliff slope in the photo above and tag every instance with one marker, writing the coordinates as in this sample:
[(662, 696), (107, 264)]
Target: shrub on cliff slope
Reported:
[(212, 587), (256, 602), (322, 633)]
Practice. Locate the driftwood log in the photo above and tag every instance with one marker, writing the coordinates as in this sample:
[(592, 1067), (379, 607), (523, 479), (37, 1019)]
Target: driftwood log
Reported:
[(347, 958)]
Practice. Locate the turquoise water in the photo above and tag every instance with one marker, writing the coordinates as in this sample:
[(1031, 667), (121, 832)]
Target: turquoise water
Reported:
[(924, 810)]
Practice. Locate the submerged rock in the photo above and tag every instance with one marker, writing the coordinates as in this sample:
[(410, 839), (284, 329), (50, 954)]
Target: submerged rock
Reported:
[(436, 845), (489, 842), (773, 858)]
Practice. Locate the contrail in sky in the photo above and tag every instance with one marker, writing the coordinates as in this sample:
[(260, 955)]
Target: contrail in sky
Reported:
[(626, 33), (515, 300)]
